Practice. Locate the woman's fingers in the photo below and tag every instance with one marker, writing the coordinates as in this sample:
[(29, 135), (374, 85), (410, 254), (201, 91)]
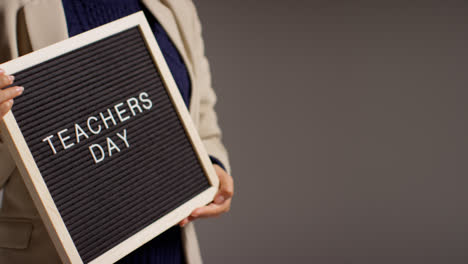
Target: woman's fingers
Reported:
[(5, 80), (212, 210), (10, 93), (222, 201), (7, 95), (184, 222), (5, 107), (226, 186)]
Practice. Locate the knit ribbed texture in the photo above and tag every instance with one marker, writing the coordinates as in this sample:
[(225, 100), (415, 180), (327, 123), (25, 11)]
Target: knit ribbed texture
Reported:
[(83, 15)]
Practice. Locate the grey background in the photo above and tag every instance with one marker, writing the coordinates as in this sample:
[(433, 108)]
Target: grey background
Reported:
[(346, 125)]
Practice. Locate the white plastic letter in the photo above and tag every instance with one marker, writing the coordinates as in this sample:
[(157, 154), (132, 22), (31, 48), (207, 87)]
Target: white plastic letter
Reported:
[(49, 139), (144, 98), (63, 139), (103, 155)]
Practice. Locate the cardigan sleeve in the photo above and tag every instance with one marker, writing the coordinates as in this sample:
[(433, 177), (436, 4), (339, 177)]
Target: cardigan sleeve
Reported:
[(7, 31), (208, 127)]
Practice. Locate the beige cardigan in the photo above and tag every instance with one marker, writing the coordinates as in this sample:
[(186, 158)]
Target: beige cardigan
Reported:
[(27, 25)]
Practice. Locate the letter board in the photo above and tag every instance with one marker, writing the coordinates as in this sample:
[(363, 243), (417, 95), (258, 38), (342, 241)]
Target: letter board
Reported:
[(105, 143)]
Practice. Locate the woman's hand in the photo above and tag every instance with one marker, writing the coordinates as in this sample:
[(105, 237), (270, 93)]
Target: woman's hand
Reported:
[(7, 95), (222, 201)]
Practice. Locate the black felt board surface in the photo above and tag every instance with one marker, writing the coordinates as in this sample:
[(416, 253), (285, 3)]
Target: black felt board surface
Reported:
[(104, 203)]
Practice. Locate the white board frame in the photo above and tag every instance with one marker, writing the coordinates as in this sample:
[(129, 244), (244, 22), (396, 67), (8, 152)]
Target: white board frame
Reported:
[(30, 172)]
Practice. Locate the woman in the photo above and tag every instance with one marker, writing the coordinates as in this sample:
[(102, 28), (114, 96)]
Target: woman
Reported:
[(30, 25)]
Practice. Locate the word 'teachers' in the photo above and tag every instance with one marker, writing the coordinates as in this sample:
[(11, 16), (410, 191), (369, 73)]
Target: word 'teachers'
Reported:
[(119, 113)]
